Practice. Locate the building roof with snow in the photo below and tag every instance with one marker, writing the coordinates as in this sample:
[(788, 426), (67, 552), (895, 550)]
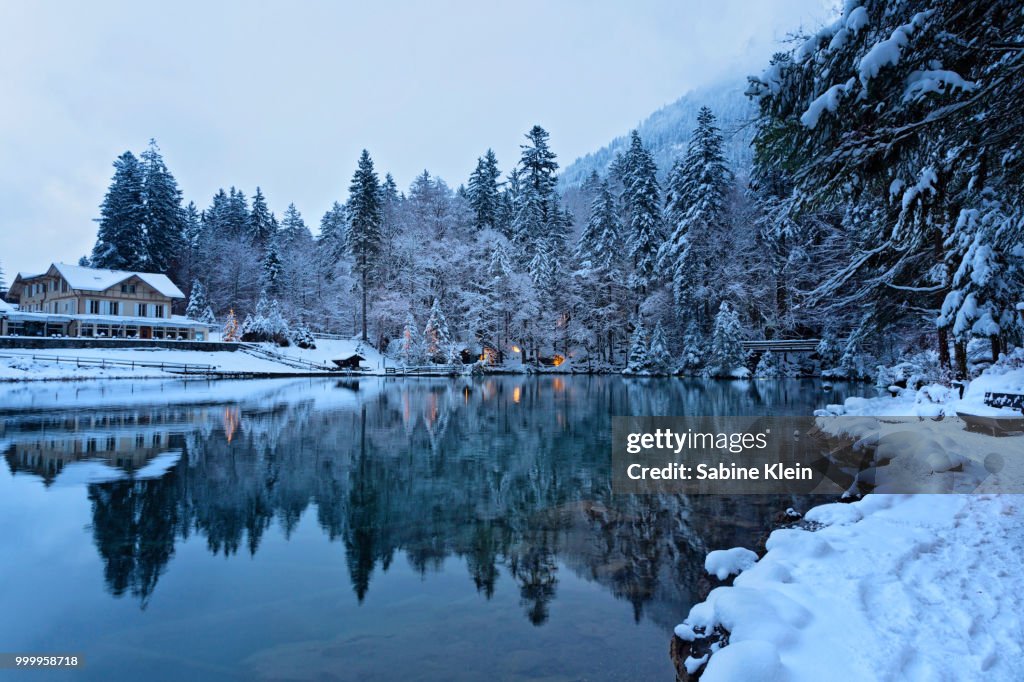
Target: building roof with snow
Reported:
[(97, 279)]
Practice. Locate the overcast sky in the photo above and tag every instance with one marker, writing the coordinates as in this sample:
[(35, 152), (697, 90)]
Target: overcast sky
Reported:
[(285, 94)]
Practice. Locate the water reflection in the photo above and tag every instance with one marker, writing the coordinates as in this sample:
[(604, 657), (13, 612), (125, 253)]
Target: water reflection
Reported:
[(509, 474)]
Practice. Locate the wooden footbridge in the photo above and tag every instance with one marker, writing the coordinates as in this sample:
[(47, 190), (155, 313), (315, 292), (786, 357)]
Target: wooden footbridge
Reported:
[(782, 346)]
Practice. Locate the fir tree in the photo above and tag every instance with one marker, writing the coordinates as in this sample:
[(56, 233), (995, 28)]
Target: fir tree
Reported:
[(727, 355), (331, 241), (261, 225), (272, 268), (639, 361), (599, 242), (483, 192), (232, 332), (197, 302), (436, 336), (410, 345), (164, 217), (121, 242), (293, 227), (767, 366), (641, 198), (364, 235), (659, 358), (696, 211)]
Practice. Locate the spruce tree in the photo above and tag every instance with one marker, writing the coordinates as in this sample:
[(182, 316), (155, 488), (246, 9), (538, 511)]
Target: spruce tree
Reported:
[(333, 227), (293, 228), (599, 243), (121, 242), (727, 356), (261, 225), (197, 302), (696, 212), (659, 359), (642, 200), (364, 234), (436, 336), (232, 332), (272, 270), (483, 193), (164, 216), (638, 361)]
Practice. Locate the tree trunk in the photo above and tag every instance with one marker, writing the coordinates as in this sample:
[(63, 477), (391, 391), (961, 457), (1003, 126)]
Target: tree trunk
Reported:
[(996, 347), (943, 334), (364, 305), (960, 350)]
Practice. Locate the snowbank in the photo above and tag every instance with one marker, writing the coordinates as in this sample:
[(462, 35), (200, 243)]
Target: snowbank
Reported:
[(921, 587)]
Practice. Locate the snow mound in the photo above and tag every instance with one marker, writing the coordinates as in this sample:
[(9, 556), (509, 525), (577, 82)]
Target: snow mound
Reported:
[(917, 587), (722, 563)]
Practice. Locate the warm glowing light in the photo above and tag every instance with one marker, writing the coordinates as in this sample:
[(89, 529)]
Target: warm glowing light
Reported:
[(231, 421), (558, 360), (516, 349), (558, 385), (517, 393)]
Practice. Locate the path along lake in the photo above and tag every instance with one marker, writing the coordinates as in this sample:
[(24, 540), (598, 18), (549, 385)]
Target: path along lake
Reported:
[(363, 529)]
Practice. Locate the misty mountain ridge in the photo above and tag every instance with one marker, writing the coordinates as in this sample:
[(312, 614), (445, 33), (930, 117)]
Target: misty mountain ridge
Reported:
[(667, 131)]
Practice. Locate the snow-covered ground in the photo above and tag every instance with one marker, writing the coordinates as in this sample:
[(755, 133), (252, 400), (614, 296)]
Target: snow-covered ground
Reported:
[(892, 587), (22, 367)]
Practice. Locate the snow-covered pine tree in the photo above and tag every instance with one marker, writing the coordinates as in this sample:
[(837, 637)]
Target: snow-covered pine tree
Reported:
[(767, 366), (691, 357), (877, 114), (364, 236), (641, 196), (727, 357), (121, 242), (164, 216), (232, 331), (659, 358), (262, 225), (696, 214), (639, 360), (436, 336), (332, 232), (197, 302), (410, 344), (483, 191), (272, 269), (600, 242), (293, 228)]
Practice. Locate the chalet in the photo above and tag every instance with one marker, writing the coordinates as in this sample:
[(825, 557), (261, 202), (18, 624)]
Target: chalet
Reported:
[(73, 300)]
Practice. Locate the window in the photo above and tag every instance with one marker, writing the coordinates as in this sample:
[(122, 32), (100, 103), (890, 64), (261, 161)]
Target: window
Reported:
[(140, 309), (127, 288), (114, 307), (94, 307), (159, 311)]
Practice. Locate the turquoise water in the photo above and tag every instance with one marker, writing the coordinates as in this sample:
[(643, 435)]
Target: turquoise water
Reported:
[(355, 530)]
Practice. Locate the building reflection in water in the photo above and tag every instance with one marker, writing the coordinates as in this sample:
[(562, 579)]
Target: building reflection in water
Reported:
[(510, 475)]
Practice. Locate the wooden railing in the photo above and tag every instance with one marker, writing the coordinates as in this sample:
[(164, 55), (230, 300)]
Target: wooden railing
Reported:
[(174, 367)]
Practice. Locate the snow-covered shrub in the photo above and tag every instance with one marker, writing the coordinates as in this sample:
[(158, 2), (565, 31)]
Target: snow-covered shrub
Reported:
[(302, 337), (639, 360), (727, 356), (768, 367), (266, 323), (913, 373)]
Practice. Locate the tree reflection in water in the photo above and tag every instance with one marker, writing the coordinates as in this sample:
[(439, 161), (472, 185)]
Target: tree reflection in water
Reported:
[(507, 473)]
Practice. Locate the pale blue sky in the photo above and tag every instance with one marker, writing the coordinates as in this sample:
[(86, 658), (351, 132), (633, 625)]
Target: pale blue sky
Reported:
[(285, 94)]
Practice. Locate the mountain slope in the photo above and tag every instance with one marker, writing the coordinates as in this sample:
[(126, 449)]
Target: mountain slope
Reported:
[(667, 131)]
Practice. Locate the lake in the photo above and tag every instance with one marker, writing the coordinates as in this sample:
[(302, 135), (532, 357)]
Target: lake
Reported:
[(363, 529)]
